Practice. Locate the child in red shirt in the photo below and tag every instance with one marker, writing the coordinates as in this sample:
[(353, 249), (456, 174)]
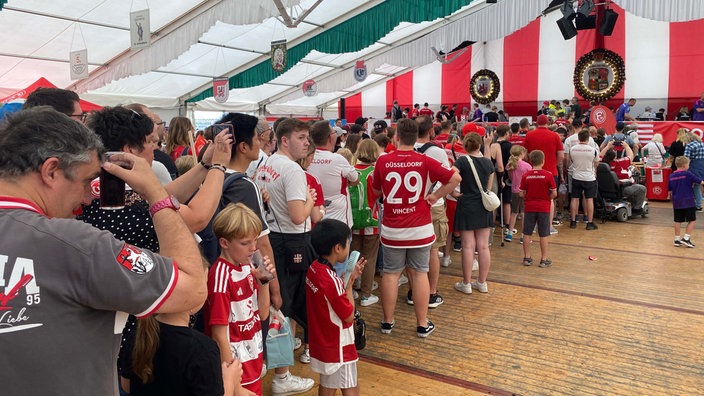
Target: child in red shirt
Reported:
[(538, 190), (332, 349)]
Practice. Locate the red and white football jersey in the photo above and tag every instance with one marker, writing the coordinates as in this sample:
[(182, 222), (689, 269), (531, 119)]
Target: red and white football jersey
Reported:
[(402, 176)]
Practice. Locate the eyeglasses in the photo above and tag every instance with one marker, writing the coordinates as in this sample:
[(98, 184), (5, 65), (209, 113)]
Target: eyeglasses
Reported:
[(135, 114), (81, 116)]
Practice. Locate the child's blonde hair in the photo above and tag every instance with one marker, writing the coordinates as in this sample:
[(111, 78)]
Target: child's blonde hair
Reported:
[(184, 163), (681, 161), (236, 220), (516, 152), (345, 152)]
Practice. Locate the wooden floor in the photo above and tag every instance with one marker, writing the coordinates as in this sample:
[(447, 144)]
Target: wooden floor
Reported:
[(629, 323)]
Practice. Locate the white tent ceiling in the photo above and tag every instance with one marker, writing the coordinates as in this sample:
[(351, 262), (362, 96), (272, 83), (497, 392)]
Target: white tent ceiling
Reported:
[(194, 41)]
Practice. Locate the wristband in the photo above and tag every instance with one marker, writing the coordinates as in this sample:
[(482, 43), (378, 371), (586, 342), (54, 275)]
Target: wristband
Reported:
[(206, 166), (264, 282), (218, 167)]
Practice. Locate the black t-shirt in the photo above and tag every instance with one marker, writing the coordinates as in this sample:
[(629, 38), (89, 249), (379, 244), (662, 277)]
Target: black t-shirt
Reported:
[(576, 109), (491, 116), (187, 363), (168, 163)]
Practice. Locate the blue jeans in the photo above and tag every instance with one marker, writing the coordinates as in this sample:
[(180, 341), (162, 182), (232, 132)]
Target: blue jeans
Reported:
[(697, 194)]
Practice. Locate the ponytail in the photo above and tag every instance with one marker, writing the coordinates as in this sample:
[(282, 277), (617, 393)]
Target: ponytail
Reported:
[(516, 152)]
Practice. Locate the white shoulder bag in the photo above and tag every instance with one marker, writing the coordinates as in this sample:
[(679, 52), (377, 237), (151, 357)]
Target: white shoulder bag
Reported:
[(489, 199)]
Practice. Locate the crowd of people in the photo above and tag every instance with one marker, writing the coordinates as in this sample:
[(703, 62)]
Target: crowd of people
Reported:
[(223, 229)]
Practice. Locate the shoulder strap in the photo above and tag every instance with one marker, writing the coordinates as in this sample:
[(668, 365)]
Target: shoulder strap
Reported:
[(476, 176), (231, 179), (422, 149)]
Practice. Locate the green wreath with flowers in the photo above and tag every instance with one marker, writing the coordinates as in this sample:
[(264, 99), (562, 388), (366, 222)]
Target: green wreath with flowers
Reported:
[(484, 87), (599, 75)]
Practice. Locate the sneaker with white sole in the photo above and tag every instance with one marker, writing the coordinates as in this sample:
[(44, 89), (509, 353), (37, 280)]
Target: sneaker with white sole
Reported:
[(435, 300), (446, 261), (425, 331), (480, 287), (355, 294), (290, 385), (457, 245), (402, 280), (686, 242), (367, 301), (678, 242), (305, 356), (465, 288), (441, 254), (508, 237), (297, 343), (375, 285), (409, 297), (387, 327), (475, 265)]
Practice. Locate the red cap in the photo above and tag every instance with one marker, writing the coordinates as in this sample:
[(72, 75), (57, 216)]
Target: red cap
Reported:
[(472, 127), (542, 119), (546, 103)]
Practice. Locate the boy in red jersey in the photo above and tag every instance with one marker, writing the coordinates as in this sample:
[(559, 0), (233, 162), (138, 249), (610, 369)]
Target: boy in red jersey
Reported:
[(232, 308), (538, 190), (332, 348), (407, 229)]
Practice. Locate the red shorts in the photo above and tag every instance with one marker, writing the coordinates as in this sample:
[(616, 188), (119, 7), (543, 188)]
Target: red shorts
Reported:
[(450, 208)]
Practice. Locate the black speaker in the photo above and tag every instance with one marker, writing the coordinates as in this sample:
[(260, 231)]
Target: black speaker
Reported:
[(608, 22), (585, 23), (342, 108), (566, 28)]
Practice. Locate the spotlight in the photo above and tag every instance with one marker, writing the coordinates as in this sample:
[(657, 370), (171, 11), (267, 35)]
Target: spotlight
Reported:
[(608, 22), (567, 10), (566, 28)]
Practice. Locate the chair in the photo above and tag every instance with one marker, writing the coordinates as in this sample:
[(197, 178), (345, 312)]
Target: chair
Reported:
[(610, 201)]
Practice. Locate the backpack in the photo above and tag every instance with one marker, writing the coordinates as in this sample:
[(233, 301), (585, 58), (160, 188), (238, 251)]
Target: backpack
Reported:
[(398, 113), (209, 243)]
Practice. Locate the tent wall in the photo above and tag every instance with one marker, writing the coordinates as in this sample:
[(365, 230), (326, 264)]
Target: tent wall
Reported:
[(536, 64)]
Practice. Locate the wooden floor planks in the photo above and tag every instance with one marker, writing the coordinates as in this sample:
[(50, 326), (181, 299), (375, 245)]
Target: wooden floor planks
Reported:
[(629, 323)]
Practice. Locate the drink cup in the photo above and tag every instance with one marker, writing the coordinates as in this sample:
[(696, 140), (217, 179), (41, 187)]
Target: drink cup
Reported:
[(258, 263), (274, 326), (112, 188)]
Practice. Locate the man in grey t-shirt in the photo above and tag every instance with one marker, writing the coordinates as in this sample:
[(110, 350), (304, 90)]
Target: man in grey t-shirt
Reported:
[(66, 287)]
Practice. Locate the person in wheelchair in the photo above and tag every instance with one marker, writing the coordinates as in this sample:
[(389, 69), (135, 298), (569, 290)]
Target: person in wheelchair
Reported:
[(632, 191)]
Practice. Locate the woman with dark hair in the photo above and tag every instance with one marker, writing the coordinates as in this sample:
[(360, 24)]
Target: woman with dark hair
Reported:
[(353, 142), (472, 220)]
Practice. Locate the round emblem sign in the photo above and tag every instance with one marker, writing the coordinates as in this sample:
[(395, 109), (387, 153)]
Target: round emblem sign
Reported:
[(599, 75), (310, 88), (484, 87)]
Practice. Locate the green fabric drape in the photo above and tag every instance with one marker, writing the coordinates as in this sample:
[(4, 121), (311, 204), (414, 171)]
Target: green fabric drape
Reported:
[(2, 2), (350, 36)]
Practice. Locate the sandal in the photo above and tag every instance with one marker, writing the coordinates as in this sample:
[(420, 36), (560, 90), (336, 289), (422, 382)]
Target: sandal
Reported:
[(527, 261), (545, 263)]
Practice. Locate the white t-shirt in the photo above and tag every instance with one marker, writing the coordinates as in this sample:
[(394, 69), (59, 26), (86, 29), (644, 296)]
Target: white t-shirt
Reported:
[(334, 173), (655, 153), (571, 141), (583, 159), (252, 168), (440, 155), (285, 181)]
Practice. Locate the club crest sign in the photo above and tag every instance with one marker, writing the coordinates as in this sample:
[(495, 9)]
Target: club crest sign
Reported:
[(310, 88), (484, 87), (599, 75), (360, 71), (278, 55), (221, 89)]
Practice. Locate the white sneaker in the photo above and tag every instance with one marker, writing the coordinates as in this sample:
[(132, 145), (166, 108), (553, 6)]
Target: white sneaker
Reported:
[(446, 261), (291, 385), (263, 370), (480, 287), (357, 285), (441, 254), (305, 356), (465, 288), (355, 294), (367, 301), (297, 343), (375, 285), (402, 280), (475, 265)]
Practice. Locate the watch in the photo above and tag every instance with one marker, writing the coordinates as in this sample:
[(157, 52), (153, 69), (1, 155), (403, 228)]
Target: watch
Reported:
[(168, 202)]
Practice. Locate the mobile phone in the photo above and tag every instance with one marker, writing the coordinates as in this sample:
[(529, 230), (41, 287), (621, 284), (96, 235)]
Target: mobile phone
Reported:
[(327, 203), (217, 128)]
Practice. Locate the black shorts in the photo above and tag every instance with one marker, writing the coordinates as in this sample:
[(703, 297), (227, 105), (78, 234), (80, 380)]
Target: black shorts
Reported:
[(542, 219), (581, 186), (292, 281), (685, 215), (506, 194)]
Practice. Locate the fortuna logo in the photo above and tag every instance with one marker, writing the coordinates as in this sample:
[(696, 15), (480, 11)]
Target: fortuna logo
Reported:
[(297, 258), (134, 259), (21, 278)]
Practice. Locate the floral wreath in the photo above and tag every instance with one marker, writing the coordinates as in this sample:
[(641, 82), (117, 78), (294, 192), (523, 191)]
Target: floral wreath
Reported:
[(599, 75), (476, 91)]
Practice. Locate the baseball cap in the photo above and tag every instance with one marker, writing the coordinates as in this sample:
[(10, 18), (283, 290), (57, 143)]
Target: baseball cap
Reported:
[(546, 103), (620, 125), (339, 131), (380, 125), (360, 120), (542, 119), (472, 127)]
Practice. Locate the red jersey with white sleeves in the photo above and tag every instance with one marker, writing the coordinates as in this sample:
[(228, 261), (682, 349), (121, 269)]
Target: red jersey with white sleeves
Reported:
[(232, 302), (403, 176), (537, 183), (331, 338), (334, 173)]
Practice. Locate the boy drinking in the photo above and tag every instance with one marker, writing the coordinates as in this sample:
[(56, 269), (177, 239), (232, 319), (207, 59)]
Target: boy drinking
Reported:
[(232, 308), (331, 303), (538, 190), (682, 194)]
